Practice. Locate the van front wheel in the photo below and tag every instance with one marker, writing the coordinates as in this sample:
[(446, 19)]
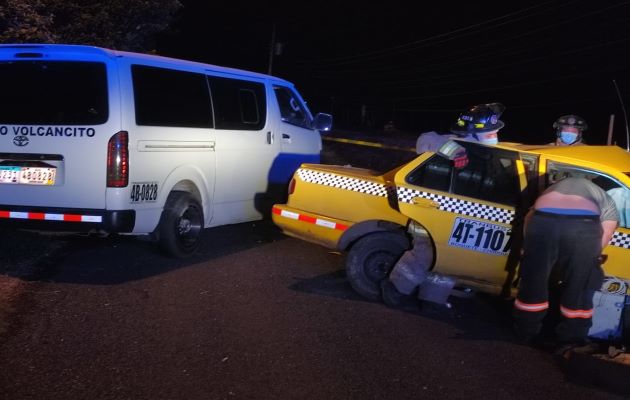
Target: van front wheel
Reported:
[(181, 225)]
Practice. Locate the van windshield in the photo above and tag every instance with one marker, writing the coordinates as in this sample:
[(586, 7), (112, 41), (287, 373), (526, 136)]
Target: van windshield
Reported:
[(53, 93)]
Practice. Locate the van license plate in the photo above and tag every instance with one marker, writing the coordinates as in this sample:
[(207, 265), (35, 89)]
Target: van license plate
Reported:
[(27, 175)]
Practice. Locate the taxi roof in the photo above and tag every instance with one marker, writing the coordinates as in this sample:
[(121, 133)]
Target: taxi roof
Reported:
[(611, 156)]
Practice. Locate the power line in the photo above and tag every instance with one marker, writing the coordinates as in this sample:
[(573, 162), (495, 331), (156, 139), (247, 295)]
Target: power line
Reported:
[(439, 38)]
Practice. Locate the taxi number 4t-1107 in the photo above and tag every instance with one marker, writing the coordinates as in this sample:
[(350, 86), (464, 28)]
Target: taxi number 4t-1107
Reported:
[(480, 236)]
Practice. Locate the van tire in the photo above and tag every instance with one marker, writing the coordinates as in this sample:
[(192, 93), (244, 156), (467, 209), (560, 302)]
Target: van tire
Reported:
[(371, 259), (181, 225)]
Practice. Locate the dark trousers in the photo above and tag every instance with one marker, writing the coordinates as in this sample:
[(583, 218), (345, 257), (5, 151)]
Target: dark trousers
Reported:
[(561, 252)]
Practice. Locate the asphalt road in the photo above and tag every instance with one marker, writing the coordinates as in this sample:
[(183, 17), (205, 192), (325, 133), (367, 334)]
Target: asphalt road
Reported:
[(255, 315)]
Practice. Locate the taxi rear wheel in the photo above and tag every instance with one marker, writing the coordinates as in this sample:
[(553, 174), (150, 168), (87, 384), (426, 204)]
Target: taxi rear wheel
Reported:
[(181, 225), (371, 258)]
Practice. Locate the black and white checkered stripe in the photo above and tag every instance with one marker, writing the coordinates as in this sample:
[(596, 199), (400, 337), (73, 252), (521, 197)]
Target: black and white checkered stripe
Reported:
[(620, 239), (343, 182), (458, 206)]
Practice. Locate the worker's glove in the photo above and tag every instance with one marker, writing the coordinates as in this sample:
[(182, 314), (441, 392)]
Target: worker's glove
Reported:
[(460, 160), (453, 151)]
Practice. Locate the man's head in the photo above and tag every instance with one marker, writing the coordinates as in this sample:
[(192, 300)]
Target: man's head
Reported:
[(569, 129), (481, 121)]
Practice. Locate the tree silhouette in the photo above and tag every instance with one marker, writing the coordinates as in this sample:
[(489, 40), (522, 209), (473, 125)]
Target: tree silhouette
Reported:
[(130, 25)]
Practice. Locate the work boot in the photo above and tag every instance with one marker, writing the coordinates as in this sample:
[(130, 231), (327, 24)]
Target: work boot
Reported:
[(390, 295), (582, 347)]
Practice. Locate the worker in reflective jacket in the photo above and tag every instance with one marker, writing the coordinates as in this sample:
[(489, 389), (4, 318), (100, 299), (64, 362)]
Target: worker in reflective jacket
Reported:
[(565, 232)]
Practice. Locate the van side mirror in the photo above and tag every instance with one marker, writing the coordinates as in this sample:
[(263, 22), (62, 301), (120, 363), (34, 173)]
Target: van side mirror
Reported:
[(323, 122)]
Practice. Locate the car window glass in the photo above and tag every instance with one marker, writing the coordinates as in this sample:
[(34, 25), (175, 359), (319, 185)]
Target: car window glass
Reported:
[(165, 97), (292, 111), (238, 104), (619, 193), (53, 93), (490, 175)]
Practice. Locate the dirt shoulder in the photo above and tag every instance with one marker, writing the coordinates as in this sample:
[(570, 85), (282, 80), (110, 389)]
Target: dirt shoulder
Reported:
[(23, 256), (10, 289)]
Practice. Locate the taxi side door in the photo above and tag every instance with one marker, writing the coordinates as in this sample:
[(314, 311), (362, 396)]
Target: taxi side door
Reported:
[(616, 185), (469, 212)]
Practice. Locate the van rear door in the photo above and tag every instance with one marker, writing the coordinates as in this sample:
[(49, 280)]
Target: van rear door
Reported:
[(57, 113)]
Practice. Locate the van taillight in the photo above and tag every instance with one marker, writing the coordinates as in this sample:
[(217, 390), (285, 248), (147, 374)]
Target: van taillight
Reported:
[(118, 160), (292, 186)]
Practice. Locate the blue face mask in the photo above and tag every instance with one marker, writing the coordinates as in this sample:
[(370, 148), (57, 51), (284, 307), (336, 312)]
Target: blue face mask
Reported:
[(568, 137), (488, 137)]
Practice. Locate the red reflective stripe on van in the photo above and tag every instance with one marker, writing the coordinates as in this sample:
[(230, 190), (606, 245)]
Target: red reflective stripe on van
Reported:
[(33, 215), (530, 307), (72, 218), (49, 217), (570, 313)]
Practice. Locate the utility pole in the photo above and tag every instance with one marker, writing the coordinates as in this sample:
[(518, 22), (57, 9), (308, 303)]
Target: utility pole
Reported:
[(272, 48)]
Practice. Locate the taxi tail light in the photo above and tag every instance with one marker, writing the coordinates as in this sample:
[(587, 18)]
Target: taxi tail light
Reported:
[(291, 186), (118, 160)]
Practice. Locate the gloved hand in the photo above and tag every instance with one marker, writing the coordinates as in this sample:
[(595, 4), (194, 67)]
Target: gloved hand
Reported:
[(460, 160), (455, 152), (602, 258)]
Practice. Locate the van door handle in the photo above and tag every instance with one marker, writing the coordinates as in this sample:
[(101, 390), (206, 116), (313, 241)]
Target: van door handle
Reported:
[(286, 137), (269, 137)]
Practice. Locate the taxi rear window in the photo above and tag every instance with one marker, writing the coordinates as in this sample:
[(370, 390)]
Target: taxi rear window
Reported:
[(53, 93)]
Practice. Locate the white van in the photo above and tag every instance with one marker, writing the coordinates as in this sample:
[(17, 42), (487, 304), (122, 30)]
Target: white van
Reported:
[(96, 140)]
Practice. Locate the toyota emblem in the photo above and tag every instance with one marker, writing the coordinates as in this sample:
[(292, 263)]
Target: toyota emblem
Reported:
[(20, 141)]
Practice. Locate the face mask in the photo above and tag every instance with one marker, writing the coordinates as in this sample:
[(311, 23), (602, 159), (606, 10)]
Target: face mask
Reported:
[(568, 137), (488, 138)]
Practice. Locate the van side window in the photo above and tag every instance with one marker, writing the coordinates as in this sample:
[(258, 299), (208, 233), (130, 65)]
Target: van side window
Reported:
[(165, 97), (238, 104), (53, 93), (490, 175), (291, 109)]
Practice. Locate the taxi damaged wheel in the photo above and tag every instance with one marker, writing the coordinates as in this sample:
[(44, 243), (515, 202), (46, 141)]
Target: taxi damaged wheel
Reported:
[(370, 260), (181, 225)]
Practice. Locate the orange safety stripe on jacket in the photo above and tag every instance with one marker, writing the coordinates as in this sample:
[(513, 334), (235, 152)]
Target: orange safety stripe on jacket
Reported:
[(570, 313), (531, 307)]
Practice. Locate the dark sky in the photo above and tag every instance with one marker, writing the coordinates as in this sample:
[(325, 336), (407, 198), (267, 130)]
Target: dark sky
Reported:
[(422, 67)]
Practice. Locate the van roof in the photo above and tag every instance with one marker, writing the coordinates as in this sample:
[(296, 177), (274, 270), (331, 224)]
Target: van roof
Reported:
[(34, 50)]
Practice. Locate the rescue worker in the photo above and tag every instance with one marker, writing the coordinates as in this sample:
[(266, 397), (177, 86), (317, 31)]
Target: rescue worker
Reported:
[(480, 123), (565, 232), (569, 130)]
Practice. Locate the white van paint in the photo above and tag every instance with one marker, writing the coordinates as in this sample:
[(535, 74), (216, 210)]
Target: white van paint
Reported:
[(185, 145)]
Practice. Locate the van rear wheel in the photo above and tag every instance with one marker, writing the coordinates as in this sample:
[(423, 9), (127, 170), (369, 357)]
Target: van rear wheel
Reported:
[(181, 225), (371, 259)]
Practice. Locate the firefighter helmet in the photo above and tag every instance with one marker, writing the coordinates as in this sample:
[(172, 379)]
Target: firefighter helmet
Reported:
[(569, 129), (479, 119), (572, 121)]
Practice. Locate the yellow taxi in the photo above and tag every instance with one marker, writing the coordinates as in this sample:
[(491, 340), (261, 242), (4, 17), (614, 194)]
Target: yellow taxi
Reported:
[(472, 215)]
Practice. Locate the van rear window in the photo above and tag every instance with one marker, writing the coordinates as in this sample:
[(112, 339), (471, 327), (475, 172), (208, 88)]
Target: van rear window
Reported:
[(53, 93)]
